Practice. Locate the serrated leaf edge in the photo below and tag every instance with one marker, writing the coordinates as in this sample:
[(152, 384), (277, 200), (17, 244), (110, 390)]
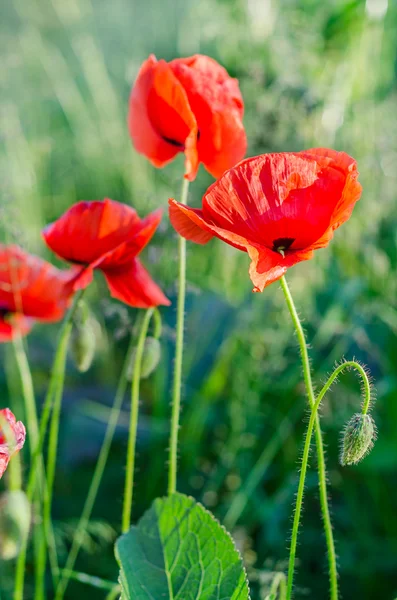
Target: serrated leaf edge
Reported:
[(209, 513)]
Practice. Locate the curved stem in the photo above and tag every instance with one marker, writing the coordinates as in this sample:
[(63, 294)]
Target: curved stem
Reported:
[(55, 380), (136, 378), (350, 364), (180, 323), (97, 476), (333, 575), (331, 379)]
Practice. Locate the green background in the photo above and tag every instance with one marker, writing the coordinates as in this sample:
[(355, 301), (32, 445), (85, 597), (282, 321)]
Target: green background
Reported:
[(312, 73)]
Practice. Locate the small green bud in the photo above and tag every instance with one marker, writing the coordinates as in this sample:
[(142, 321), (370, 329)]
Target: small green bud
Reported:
[(150, 358), (82, 345), (15, 517), (358, 439)]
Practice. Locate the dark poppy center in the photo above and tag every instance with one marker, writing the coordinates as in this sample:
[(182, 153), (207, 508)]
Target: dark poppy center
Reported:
[(176, 143), (4, 311), (282, 244), (173, 142)]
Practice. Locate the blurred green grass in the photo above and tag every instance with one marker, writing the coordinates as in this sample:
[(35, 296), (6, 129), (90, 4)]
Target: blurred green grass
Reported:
[(312, 74)]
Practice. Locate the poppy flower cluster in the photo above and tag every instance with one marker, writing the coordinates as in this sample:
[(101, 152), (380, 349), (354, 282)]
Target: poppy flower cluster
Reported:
[(12, 437), (279, 208), (188, 105)]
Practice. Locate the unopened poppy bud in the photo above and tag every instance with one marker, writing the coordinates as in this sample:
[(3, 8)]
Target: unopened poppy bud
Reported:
[(150, 358), (82, 343), (358, 439), (15, 516)]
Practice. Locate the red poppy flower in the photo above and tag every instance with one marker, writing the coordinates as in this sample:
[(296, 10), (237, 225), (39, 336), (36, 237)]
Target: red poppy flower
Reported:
[(277, 207), (30, 289), (108, 235), (189, 105), (12, 437)]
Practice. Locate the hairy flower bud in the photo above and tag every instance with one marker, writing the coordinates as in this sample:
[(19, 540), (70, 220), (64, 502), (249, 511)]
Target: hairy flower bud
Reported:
[(358, 439), (150, 358), (15, 516)]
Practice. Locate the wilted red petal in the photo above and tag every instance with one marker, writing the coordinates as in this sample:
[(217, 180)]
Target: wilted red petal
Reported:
[(160, 120), (278, 207), (33, 287), (12, 437), (133, 285)]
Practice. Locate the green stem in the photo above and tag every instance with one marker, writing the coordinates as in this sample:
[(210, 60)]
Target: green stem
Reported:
[(314, 419), (114, 593), (176, 392), (33, 431), (28, 392), (58, 368), (157, 324), (278, 588), (62, 351), (91, 580), (367, 392), (136, 377), (14, 483), (98, 474)]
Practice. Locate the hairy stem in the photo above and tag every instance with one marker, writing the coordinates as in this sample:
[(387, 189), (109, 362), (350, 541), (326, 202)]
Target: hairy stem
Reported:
[(314, 418), (131, 449), (347, 365), (180, 323)]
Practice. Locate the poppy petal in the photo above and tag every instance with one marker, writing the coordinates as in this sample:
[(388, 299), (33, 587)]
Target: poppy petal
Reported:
[(133, 245), (33, 287), (160, 120), (217, 104), (15, 324), (133, 285), (191, 224), (9, 426), (341, 161), (295, 196), (89, 230), (268, 266), (4, 460)]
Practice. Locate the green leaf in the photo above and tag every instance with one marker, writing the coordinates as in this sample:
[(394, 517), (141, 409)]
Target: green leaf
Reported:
[(178, 551)]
